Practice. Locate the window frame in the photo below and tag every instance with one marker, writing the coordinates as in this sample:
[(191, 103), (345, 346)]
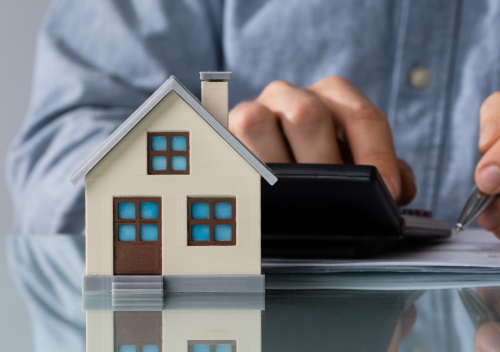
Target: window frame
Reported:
[(212, 344), (137, 221), (168, 153), (212, 221)]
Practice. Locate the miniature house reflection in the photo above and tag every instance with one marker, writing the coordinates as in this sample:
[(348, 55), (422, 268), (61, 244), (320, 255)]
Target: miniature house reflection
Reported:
[(182, 323)]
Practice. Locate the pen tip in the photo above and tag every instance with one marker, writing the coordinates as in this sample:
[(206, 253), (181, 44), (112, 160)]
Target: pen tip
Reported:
[(458, 229)]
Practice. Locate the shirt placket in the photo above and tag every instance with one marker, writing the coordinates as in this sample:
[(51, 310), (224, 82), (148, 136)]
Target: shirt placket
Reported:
[(421, 82)]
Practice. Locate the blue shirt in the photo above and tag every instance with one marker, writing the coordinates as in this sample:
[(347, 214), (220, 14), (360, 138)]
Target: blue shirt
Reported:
[(99, 60)]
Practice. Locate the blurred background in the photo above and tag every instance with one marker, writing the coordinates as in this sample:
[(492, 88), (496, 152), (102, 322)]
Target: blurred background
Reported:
[(19, 23)]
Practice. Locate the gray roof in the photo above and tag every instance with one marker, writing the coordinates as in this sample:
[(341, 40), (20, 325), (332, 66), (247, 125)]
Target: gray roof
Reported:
[(171, 84)]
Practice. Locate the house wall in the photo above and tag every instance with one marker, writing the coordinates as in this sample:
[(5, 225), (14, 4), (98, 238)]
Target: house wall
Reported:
[(217, 170), (100, 331), (181, 326)]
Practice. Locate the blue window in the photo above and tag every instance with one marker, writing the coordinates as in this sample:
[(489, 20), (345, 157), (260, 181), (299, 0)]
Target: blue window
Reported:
[(200, 210), (126, 348), (211, 221), (223, 232), (212, 346), (223, 347), (200, 232), (126, 232), (126, 210), (179, 163), (159, 163), (178, 143), (223, 210), (149, 348), (200, 347), (149, 210), (149, 232), (168, 153), (137, 219), (158, 143)]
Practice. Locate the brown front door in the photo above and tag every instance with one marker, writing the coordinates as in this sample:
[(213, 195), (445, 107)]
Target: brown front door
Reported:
[(137, 236), (138, 331)]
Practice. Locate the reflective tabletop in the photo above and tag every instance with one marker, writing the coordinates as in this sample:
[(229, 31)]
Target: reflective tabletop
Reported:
[(299, 312)]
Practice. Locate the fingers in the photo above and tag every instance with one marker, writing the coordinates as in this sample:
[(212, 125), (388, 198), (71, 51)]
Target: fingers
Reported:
[(364, 127), (403, 328), (490, 296), (408, 321), (307, 123), (487, 174), (488, 337), (488, 333), (256, 126), (330, 122), (408, 186), (490, 218), (489, 130)]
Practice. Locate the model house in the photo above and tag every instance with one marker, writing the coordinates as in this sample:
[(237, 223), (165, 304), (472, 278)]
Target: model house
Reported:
[(173, 199), (200, 325)]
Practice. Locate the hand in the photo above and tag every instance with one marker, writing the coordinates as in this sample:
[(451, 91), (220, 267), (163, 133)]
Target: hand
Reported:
[(488, 333), (487, 175), (403, 328), (328, 122)]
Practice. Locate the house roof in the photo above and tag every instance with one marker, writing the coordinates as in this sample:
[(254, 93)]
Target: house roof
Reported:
[(171, 84)]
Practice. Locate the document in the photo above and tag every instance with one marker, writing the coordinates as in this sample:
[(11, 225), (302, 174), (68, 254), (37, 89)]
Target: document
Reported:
[(470, 259), (471, 251)]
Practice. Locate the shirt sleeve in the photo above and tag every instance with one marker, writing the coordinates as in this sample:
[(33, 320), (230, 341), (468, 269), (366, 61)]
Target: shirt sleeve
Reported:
[(97, 61)]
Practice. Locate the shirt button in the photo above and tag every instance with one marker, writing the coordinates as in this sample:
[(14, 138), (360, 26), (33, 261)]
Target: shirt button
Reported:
[(420, 77)]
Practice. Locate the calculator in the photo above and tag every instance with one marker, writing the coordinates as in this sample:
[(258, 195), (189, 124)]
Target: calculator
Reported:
[(337, 211)]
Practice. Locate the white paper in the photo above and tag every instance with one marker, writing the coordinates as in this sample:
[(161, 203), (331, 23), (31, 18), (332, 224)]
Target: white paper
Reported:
[(470, 251)]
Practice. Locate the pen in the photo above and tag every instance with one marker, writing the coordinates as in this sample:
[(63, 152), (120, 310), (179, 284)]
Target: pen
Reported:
[(478, 312), (474, 206)]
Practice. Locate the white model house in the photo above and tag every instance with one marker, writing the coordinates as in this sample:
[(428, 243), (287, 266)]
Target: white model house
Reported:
[(173, 198), (201, 325)]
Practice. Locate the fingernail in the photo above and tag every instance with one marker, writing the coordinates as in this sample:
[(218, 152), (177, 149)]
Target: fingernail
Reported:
[(487, 133), (488, 338), (490, 219), (390, 185), (488, 179)]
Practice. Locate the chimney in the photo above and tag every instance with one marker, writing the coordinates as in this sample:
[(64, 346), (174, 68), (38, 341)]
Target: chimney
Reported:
[(214, 96)]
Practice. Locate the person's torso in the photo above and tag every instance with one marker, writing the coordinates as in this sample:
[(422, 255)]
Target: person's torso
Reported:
[(385, 48)]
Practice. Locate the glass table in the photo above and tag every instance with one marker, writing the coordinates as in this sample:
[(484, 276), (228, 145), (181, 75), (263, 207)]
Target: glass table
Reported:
[(298, 312)]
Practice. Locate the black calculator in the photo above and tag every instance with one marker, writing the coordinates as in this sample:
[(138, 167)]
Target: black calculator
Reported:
[(337, 211)]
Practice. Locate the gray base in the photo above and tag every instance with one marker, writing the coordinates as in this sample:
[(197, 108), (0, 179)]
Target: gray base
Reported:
[(128, 303), (184, 283), (101, 283), (174, 301), (214, 283), (137, 285)]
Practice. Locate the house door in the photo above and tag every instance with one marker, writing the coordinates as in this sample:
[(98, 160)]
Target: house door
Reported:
[(137, 236), (138, 331)]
